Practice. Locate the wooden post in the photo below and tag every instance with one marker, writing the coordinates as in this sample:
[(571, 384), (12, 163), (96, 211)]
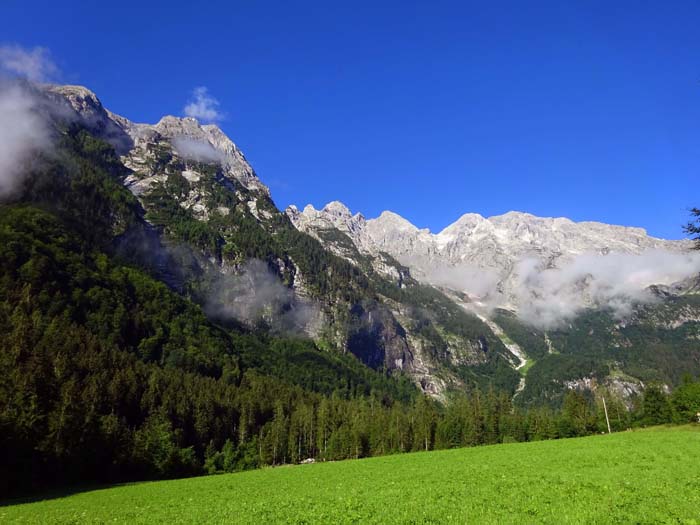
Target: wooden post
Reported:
[(605, 407)]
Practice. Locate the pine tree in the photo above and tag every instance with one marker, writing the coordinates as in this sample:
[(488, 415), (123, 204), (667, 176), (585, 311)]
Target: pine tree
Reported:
[(656, 409), (693, 226), (424, 424), (278, 434)]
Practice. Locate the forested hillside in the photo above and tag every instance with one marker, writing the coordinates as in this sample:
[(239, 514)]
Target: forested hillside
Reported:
[(108, 374), (96, 351)]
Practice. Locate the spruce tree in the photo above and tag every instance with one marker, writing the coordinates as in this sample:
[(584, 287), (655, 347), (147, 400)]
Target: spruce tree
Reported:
[(693, 226)]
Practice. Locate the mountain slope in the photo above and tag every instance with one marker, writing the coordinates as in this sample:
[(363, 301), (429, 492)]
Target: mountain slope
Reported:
[(107, 374), (229, 242), (539, 283), (402, 300)]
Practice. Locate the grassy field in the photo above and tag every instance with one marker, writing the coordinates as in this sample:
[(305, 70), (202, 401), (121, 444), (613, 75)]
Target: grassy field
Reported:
[(647, 476)]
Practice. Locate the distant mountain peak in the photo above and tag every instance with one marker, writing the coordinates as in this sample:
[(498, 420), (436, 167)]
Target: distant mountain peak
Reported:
[(337, 208), (78, 96)]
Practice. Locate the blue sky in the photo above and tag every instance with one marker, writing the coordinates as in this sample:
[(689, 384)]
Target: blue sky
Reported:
[(581, 109)]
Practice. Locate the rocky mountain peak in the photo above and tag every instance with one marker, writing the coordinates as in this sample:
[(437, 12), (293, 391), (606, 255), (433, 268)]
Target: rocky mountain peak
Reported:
[(186, 137), (92, 113), (172, 126), (80, 98), (514, 215), (335, 214), (337, 209), (467, 223), (389, 219)]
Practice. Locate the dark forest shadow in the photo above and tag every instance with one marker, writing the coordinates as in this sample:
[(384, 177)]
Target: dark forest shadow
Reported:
[(58, 493)]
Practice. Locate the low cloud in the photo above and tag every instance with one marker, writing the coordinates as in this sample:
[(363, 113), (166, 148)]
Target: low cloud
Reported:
[(34, 64), (478, 283), (549, 296), (197, 150), (203, 106), (23, 134), (256, 294), (618, 282)]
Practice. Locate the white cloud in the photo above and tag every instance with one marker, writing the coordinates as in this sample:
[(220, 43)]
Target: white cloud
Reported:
[(203, 106), (478, 283), (549, 297), (257, 294), (553, 296), (197, 150), (34, 64), (23, 132)]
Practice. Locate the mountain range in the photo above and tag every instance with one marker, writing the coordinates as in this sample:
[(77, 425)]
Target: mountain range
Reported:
[(495, 261), (535, 306)]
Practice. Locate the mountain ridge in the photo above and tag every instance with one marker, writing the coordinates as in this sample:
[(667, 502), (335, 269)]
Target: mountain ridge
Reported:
[(384, 290), (490, 248), (340, 210)]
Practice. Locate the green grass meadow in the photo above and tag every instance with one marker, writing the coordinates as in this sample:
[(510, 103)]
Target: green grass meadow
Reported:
[(645, 476)]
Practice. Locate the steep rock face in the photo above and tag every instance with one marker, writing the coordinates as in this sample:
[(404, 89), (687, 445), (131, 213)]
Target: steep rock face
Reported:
[(343, 233), (335, 215), (378, 339), (184, 173), (140, 144), (81, 104)]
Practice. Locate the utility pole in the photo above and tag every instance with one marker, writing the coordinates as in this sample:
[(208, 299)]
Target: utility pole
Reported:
[(605, 407)]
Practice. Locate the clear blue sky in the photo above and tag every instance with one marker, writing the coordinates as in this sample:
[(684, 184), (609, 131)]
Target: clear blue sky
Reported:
[(582, 109)]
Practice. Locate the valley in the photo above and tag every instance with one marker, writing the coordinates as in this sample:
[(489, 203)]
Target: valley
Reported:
[(367, 262), (159, 308)]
